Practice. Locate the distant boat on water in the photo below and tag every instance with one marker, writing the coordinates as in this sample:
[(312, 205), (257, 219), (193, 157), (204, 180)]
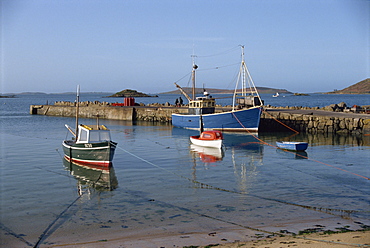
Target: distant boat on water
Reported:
[(276, 95), (245, 113)]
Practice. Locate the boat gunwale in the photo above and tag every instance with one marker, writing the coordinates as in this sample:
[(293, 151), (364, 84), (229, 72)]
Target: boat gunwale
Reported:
[(253, 130), (220, 113), (292, 142), (197, 137), (110, 144)]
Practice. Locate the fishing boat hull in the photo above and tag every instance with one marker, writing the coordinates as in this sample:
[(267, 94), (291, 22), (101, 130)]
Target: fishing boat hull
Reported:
[(239, 120), (292, 146), (100, 153)]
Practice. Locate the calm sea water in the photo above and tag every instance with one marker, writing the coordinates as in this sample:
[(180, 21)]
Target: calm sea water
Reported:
[(161, 186)]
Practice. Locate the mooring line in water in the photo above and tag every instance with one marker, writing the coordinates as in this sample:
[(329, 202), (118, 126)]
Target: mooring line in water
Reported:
[(263, 142), (208, 186), (56, 219), (320, 209), (278, 122), (11, 232), (180, 208), (45, 232), (188, 210)]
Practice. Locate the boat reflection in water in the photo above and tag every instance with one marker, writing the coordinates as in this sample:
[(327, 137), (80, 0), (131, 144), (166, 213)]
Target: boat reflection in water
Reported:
[(100, 178), (208, 154), (293, 154)]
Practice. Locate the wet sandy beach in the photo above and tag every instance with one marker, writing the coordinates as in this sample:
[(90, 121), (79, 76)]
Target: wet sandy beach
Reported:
[(229, 239)]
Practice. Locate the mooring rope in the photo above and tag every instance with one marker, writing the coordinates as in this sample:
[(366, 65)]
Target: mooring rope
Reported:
[(56, 219), (208, 186), (263, 142), (278, 121), (11, 232), (45, 232)]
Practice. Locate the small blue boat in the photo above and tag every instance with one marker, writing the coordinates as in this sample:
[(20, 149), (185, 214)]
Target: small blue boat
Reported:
[(292, 145)]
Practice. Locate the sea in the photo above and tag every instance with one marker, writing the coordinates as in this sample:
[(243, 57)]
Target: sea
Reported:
[(163, 192)]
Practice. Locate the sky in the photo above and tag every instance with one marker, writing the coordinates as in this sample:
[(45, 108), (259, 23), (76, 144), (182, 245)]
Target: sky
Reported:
[(146, 45)]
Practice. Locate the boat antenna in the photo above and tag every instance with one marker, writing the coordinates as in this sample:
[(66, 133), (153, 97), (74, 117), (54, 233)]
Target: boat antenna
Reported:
[(77, 109)]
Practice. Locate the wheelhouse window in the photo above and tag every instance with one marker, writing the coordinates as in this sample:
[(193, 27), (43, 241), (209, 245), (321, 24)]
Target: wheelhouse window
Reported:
[(83, 135), (104, 135), (98, 136), (94, 136), (207, 136)]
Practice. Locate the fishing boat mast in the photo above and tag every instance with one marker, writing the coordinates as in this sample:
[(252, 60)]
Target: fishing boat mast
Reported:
[(193, 77), (245, 76), (77, 109)]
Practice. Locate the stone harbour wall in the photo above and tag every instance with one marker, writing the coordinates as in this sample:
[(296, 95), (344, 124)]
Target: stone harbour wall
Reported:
[(157, 114), (89, 111), (310, 123)]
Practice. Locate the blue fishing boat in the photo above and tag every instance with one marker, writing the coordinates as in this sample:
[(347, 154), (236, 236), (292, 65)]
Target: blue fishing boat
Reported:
[(292, 145), (244, 114)]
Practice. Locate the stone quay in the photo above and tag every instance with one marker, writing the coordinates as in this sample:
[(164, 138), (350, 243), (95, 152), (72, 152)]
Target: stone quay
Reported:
[(329, 119)]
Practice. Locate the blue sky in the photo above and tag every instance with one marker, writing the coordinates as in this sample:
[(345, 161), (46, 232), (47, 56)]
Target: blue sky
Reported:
[(299, 45)]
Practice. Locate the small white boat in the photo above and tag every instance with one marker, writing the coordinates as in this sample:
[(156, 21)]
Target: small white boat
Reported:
[(212, 138), (276, 95), (291, 145)]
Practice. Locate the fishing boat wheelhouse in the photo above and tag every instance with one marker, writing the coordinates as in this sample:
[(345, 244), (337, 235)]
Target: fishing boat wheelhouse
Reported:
[(202, 105)]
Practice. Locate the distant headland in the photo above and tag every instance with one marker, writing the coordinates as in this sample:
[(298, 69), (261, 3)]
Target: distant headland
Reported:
[(362, 87)]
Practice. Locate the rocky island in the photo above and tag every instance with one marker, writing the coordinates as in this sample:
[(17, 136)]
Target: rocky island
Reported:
[(7, 96), (130, 93)]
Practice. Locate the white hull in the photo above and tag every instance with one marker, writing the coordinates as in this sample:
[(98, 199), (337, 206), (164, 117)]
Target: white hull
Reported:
[(206, 143)]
